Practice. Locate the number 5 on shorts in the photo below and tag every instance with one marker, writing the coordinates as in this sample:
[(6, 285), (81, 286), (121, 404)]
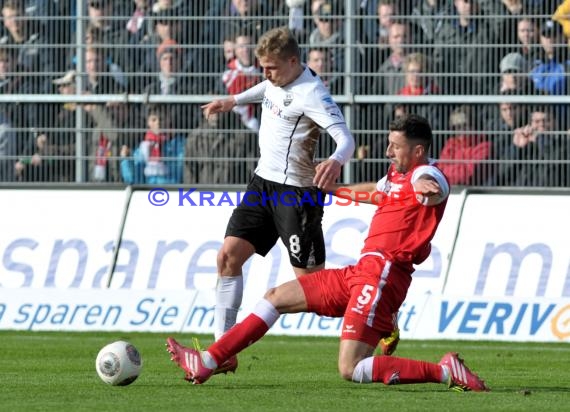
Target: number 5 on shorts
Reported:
[(365, 296)]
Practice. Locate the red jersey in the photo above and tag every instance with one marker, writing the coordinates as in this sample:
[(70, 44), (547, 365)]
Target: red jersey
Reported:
[(402, 227)]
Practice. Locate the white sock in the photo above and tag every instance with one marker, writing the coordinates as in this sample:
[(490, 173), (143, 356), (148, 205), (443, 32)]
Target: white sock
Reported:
[(363, 371), (266, 311), (229, 293), (444, 374), (208, 361)]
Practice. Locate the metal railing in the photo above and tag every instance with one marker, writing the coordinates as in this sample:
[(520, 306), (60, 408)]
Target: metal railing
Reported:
[(493, 125)]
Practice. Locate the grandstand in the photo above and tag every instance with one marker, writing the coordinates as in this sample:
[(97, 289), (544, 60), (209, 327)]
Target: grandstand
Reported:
[(79, 81)]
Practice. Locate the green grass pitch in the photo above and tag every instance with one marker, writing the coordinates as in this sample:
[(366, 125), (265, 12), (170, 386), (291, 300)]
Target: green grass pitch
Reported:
[(54, 371)]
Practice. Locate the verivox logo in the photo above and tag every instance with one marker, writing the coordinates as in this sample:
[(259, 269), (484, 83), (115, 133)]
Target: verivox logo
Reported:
[(342, 197)]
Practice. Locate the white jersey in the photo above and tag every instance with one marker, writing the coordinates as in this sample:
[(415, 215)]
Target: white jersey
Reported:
[(289, 130)]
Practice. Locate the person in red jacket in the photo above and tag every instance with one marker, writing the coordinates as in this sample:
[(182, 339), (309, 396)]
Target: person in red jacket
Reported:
[(463, 155), (242, 73)]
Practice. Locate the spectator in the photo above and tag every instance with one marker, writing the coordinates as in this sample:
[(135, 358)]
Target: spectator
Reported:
[(53, 158), (40, 166), (229, 47), (550, 75), (171, 81), (100, 79), (159, 157), (429, 17), (417, 80), (139, 25), (32, 55), (216, 157), (225, 17), (94, 42), (514, 75), (462, 51), (387, 9), (107, 16), (167, 27), (57, 20), (320, 61), (370, 152), (241, 74), (391, 78), (103, 143), (16, 118), (508, 13), (375, 31), (329, 32), (464, 155), (507, 116), (528, 41), (502, 123), (533, 148)]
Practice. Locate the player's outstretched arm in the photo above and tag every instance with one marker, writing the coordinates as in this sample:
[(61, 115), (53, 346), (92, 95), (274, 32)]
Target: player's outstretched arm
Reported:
[(217, 106), (361, 192), (429, 191), (327, 173)]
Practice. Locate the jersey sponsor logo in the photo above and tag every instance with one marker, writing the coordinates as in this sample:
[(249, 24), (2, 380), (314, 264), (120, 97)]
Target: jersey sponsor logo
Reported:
[(274, 108), (288, 99)]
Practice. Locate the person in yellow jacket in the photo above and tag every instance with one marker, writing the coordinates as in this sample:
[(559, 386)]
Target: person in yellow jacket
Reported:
[(562, 16)]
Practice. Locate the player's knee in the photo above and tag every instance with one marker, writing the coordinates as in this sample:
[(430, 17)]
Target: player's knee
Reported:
[(271, 295), (346, 371), (227, 262)]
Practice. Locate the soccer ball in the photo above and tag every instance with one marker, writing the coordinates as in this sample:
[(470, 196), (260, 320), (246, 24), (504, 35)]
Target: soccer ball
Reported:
[(119, 363)]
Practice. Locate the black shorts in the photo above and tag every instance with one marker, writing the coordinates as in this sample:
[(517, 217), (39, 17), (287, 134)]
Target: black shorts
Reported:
[(269, 211)]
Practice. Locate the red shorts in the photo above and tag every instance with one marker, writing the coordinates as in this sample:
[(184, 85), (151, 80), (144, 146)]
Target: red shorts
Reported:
[(366, 295)]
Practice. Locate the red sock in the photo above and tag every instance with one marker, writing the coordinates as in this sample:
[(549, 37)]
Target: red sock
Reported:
[(243, 334), (392, 370)]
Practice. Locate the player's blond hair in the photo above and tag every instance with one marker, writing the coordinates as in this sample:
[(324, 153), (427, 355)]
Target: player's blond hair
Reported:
[(279, 42)]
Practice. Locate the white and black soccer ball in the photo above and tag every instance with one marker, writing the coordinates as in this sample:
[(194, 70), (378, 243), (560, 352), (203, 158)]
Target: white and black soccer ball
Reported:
[(119, 363)]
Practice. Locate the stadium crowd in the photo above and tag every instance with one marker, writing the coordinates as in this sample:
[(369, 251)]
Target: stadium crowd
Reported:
[(384, 47)]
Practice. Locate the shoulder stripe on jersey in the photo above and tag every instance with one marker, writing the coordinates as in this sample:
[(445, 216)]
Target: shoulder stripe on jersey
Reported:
[(312, 72), (289, 148)]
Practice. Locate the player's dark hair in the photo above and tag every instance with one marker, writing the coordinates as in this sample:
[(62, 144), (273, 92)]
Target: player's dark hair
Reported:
[(415, 128)]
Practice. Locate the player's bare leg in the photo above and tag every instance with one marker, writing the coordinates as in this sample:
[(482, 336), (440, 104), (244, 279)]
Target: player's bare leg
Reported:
[(356, 363), (199, 365), (229, 289)]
